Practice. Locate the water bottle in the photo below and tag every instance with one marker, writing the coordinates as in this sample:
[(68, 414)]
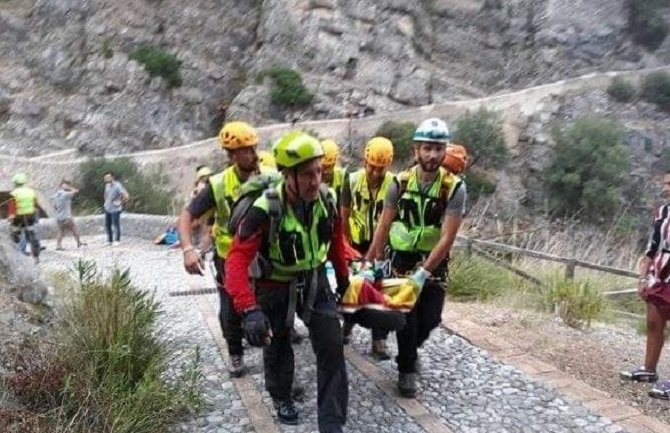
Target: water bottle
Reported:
[(330, 274)]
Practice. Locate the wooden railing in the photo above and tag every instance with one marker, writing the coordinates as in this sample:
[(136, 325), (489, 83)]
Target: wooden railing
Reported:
[(480, 247)]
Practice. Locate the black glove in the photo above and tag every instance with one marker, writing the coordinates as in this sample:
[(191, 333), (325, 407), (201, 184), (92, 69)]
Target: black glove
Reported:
[(256, 327)]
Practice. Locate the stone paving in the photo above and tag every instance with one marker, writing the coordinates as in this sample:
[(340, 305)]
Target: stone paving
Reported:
[(462, 389)]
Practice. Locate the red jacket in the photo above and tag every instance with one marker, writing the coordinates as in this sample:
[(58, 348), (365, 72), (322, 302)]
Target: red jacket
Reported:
[(243, 252)]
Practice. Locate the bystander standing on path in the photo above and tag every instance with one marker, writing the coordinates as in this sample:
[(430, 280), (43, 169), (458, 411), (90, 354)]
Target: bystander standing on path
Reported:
[(114, 198), (654, 288), (62, 202)]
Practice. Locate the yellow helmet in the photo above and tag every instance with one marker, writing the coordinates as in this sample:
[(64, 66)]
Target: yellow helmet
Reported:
[(204, 171), (331, 153), (379, 152), (266, 159), (236, 135), (20, 179)]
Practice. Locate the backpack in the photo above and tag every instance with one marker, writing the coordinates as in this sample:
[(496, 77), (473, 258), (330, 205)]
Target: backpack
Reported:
[(250, 191), (265, 184)]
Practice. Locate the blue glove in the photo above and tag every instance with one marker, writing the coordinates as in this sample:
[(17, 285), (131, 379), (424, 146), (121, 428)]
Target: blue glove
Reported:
[(256, 327), (420, 276)]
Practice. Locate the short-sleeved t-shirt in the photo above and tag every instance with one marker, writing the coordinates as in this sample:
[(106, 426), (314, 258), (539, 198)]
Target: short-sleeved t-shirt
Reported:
[(455, 205), (114, 192), (62, 202)]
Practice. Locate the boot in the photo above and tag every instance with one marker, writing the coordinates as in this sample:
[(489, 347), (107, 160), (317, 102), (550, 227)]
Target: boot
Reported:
[(379, 350), (236, 367), (407, 384), (286, 411)]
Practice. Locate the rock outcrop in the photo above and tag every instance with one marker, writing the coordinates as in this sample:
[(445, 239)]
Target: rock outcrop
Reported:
[(67, 79)]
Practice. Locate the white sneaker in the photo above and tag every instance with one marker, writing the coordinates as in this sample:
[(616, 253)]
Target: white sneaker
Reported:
[(109, 244), (116, 243)]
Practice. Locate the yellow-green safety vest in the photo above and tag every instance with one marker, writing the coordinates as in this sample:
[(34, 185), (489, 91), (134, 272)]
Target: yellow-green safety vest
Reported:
[(24, 197), (297, 248), (338, 180), (418, 222), (364, 211), (226, 187)]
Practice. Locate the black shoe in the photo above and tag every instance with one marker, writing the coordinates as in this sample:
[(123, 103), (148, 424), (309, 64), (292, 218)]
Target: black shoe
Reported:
[(407, 385), (236, 367), (286, 411), (379, 350)]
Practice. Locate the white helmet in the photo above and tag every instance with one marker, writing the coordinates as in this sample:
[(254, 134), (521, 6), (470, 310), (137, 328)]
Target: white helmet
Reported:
[(433, 130)]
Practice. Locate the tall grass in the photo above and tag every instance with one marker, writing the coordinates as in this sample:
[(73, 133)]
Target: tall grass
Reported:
[(576, 302), (617, 244), (105, 370), (475, 279)]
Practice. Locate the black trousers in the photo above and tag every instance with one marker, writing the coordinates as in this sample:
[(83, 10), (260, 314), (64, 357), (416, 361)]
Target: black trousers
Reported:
[(25, 224), (426, 314), (325, 335), (231, 322)]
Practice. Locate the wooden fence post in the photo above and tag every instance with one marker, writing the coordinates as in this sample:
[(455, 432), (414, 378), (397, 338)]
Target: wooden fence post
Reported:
[(570, 269)]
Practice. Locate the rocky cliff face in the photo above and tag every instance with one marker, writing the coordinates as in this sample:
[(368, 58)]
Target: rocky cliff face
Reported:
[(66, 78)]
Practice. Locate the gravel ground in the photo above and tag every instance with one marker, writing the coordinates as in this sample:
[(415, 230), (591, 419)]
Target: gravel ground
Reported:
[(594, 356), (460, 384)]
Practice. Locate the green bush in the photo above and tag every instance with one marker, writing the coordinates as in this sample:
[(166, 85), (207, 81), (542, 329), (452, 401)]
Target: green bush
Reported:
[(159, 63), (656, 89), (588, 171), (111, 362), (288, 90), (576, 302), (482, 134), (401, 135), (478, 185), (148, 193), (646, 23), (621, 90)]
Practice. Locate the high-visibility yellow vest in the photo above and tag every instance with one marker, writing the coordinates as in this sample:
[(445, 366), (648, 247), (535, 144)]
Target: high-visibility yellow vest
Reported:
[(365, 210), (226, 188), (338, 180), (24, 197), (418, 222), (296, 247)]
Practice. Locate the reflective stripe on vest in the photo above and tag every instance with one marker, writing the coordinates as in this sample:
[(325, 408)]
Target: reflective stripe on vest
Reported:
[(296, 248), (24, 198), (226, 188), (364, 209), (418, 222)]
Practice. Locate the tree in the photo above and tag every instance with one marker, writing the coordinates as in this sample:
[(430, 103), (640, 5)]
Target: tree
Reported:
[(588, 170), (481, 133)]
